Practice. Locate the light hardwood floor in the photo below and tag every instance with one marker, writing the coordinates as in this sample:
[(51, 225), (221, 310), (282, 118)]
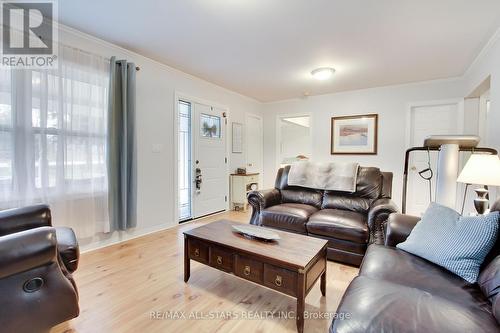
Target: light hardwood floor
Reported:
[(124, 285)]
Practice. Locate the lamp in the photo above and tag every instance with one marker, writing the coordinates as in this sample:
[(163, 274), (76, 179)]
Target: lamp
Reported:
[(481, 169), (323, 73)]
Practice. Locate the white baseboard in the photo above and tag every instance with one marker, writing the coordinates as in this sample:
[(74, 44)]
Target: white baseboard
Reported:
[(124, 236)]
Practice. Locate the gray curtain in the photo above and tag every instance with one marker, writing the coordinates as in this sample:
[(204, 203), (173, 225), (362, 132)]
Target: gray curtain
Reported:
[(122, 162)]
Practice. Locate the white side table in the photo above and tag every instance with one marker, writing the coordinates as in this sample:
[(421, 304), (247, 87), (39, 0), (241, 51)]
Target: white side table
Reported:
[(241, 184)]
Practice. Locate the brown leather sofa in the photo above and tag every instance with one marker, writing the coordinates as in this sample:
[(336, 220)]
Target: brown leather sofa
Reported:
[(36, 261), (349, 221), (402, 293)]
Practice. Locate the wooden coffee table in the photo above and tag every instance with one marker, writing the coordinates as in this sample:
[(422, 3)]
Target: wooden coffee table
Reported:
[(291, 265)]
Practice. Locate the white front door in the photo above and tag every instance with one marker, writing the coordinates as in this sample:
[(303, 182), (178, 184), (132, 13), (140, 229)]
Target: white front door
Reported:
[(254, 143), (425, 120), (210, 174)]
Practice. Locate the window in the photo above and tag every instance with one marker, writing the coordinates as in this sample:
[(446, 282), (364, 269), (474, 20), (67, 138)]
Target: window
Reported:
[(210, 126), (53, 133), (5, 128), (184, 160)]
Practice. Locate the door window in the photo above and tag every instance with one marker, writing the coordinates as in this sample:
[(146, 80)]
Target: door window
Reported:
[(210, 126)]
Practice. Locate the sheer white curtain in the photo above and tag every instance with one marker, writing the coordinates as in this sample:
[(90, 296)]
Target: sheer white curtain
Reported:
[(53, 127)]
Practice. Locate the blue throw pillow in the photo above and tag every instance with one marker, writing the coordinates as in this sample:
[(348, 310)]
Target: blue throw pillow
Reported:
[(458, 243)]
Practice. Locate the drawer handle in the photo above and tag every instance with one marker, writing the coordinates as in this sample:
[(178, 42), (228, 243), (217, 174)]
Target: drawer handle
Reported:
[(219, 260), (278, 280), (196, 252), (246, 271)]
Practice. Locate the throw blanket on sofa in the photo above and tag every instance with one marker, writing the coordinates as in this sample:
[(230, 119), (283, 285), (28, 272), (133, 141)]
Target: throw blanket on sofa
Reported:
[(324, 176)]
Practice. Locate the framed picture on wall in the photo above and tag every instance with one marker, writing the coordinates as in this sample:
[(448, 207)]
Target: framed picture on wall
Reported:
[(354, 135)]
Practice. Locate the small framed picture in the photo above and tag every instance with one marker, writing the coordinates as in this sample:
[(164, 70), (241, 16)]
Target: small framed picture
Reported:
[(354, 135)]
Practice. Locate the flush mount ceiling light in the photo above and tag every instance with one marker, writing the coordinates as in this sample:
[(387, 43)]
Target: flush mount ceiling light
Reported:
[(323, 73)]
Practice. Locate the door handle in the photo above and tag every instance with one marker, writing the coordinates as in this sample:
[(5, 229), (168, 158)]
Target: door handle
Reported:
[(198, 178)]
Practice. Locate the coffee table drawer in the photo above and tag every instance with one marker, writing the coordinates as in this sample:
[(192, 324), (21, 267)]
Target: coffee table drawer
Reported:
[(221, 258), (249, 269), (198, 251), (280, 279)]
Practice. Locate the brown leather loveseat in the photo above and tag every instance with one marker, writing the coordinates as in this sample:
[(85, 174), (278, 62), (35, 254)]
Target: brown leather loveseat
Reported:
[(397, 292), (349, 221), (37, 290)]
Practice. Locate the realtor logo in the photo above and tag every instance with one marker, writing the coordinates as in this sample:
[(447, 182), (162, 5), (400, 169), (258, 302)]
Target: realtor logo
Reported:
[(29, 34)]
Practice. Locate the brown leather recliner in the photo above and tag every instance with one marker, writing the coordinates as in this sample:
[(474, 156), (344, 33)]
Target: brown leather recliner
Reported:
[(37, 290), (397, 292), (349, 221)]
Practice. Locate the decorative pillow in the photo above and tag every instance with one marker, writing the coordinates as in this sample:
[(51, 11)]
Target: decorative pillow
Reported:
[(457, 243)]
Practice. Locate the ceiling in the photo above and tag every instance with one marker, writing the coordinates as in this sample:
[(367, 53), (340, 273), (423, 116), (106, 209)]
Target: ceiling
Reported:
[(266, 49)]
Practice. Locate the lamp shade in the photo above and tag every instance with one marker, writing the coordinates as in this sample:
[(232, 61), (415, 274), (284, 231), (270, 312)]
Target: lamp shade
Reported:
[(481, 169)]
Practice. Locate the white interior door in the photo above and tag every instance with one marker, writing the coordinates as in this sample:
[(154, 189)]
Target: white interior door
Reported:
[(210, 164), (254, 143), (439, 119)]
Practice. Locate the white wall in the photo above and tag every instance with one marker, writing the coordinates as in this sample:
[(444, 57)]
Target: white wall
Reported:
[(488, 64), (156, 87), (391, 104)]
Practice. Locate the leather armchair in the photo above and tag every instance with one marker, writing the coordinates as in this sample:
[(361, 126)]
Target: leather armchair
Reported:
[(36, 262), (349, 221), (25, 218)]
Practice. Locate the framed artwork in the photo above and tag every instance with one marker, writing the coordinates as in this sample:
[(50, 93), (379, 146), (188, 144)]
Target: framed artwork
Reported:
[(237, 138), (354, 135)]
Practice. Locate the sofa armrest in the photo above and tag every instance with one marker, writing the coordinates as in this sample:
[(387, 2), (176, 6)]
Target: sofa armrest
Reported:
[(260, 200), (399, 227), (27, 249), (19, 219), (377, 218), (67, 246)]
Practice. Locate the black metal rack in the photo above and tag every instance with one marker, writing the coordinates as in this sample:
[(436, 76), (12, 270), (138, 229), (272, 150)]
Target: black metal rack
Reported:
[(410, 150)]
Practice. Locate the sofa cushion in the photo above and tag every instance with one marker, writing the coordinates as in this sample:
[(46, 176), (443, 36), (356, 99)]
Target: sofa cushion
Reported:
[(303, 196), (368, 188), (369, 183), (288, 216), (335, 200), (457, 243), (397, 266), (489, 280), (340, 224), (381, 306)]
